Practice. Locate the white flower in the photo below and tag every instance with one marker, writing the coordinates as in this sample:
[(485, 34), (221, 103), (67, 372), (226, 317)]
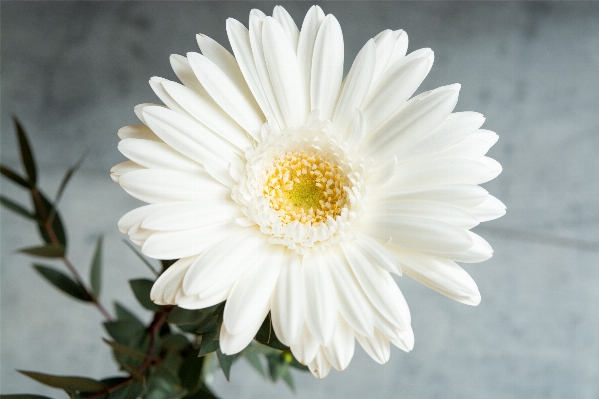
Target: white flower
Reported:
[(283, 189)]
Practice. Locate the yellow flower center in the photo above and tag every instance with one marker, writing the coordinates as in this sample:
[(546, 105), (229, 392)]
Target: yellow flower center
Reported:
[(305, 187)]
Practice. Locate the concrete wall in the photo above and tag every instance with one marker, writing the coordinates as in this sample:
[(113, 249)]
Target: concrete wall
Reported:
[(73, 71)]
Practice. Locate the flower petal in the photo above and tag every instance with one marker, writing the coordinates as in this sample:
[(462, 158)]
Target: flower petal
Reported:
[(283, 71), (393, 91), (252, 292), (491, 209), (188, 215), (164, 289), (181, 243), (479, 252), (494, 168), (352, 301), (341, 349), (441, 275), (462, 195), (305, 346), (137, 132), (305, 48), (182, 69), (208, 114), (320, 366), (438, 172), (222, 263), (379, 287), (377, 347), (161, 185), (157, 155), (239, 37), (231, 344), (227, 95), (419, 117), (321, 300), (287, 301), (190, 138), (377, 254), (124, 167), (442, 212), (357, 131), (327, 67), (221, 57), (289, 26), (355, 88)]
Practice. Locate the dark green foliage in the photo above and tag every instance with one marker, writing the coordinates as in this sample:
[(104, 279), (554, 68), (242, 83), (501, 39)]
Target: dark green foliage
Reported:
[(27, 158), (141, 289), (69, 384), (63, 282), (45, 251), (95, 274), (14, 176), (16, 208), (267, 336), (225, 362)]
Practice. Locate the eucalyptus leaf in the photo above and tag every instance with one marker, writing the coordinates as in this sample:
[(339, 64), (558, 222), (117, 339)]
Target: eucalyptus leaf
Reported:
[(140, 256), (67, 176), (125, 350), (14, 176), (131, 390), (122, 313), (141, 289), (16, 208), (254, 359), (25, 149), (226, 361), (43, 210), (175, 342), (190, 372), (79, 384), (96, 270), (45, 251), (288, 378), (63, 282), (209, 343), (126, 332)]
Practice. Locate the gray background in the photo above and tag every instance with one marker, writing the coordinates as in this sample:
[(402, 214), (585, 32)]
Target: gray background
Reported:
[(73, 72)]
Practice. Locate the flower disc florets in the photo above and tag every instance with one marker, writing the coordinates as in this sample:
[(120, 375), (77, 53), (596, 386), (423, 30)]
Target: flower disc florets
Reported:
[(302, 187)]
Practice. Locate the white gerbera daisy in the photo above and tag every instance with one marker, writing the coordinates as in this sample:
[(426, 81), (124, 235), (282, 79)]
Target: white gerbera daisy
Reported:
[(283, 189)]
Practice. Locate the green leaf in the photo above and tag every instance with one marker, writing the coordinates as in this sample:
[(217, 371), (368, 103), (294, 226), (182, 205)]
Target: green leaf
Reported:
[(131, 390), (267, 336), (254, 359), (80, 384), (226, 362), (175, 342), (14, 176), (26, 154), (126, 332), (141, 289), (288, 378), (276, 366), (43, 210), (63, 282), (67, 176), (45, 251), (23, 396), (180, 316), (209, 343), (140, 256), (16, 208), (96, 270), (125, 350), (122, 313), (191, 371)]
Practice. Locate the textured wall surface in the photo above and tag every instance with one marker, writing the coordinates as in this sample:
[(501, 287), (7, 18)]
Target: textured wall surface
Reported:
[(73, 72)]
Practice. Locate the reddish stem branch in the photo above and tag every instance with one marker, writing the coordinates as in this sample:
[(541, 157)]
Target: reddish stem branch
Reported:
[(47, 225), (154, 328)]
